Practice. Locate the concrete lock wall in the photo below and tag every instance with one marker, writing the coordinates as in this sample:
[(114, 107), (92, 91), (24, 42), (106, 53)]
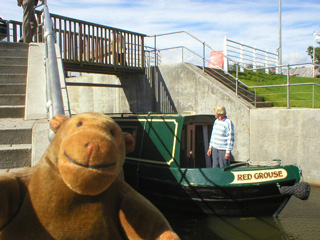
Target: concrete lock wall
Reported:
[(134, 95), (193, 91), (177, 87), (291, 135), (262, 134), (95, 99)]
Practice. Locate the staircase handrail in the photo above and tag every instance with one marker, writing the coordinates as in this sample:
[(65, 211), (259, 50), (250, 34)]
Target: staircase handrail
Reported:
[(54, 96), (205, 59), (288, 84), (192, 36)]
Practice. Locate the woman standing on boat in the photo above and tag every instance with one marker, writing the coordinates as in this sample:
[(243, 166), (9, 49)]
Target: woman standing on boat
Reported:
[(222, 138)]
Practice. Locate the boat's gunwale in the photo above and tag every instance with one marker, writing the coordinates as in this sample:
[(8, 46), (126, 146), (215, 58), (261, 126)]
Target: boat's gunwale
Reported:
[(212, 175)]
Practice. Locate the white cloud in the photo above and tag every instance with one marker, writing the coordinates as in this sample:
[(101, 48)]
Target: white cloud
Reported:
[(253, 22)]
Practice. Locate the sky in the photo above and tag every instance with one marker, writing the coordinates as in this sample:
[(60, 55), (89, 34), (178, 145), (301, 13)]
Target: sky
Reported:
[(251, 22)]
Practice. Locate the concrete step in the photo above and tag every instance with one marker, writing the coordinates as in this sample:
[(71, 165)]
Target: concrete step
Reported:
[(13, 78), (15, 156), (264, 104), (229, 82), (15, 136), (12, 99), (12, 111), (16, 131), (11, 45), (17, 69), (14, 52), (12, 88), (13, 60)]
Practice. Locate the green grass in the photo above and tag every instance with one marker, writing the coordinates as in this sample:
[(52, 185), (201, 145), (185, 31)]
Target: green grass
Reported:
[(300, 96)]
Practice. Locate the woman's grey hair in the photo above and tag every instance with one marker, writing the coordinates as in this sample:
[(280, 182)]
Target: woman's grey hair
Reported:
[(220, 110)]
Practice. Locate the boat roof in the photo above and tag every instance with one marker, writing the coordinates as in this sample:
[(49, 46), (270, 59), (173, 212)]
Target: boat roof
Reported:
[(188, 116)]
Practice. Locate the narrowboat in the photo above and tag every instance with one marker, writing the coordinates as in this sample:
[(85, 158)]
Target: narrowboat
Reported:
[(170, 167)]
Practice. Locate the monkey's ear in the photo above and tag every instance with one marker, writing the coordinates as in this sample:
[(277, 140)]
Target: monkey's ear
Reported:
[(129, 141), (57, 121)]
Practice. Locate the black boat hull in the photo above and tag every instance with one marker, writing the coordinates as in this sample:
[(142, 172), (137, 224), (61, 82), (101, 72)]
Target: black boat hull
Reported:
[(244, 201)]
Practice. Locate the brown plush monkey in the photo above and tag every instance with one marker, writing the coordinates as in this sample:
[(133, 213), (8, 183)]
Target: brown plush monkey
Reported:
[(77, 191)]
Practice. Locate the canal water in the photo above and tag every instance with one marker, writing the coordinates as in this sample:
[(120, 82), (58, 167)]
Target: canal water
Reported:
[(299, 220)]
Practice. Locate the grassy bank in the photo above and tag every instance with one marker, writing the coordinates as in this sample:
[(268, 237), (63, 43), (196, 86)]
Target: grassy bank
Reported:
[(300, 96)]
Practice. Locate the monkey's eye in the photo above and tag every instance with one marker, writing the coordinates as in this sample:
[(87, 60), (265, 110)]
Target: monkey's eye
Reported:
[(79, 124), (112, 132)]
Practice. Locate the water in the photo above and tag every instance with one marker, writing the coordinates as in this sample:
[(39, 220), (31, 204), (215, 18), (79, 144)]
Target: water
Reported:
[(299, 220)]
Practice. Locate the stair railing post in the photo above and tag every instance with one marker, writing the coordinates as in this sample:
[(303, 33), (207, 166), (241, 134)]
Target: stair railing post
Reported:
[(237, 70), (255, 97), (204, 56), (155, 51), (312, 95), (254, 59), (241, 58), (288, 86), (182, 49), (237, 77), (313, 55), (267, 63), (225, 52)]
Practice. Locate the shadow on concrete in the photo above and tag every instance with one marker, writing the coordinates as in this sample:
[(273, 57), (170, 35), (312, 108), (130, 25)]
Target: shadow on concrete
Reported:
[(147, 92)]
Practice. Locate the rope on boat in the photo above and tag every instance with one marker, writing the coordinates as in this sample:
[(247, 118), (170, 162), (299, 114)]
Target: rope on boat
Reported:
[(300, 190)]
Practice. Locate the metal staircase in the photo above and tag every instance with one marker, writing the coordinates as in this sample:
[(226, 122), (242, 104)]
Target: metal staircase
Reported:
[(15, 132)]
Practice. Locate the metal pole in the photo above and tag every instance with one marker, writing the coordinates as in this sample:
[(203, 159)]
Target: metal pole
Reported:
[(57, 102), (288, 87), (254, 59), (204, 56), (280, 37), (267, 70), (182, 54), (225, 53), (255, 97), (155, 50), (314, 53), (313, 96), (237, 78), (237, 70), (241, 58)]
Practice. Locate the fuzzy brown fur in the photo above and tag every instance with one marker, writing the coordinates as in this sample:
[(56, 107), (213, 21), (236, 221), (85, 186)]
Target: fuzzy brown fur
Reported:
[(77, 191)]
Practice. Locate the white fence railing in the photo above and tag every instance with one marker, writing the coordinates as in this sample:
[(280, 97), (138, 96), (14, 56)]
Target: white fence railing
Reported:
[(250, 58)]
